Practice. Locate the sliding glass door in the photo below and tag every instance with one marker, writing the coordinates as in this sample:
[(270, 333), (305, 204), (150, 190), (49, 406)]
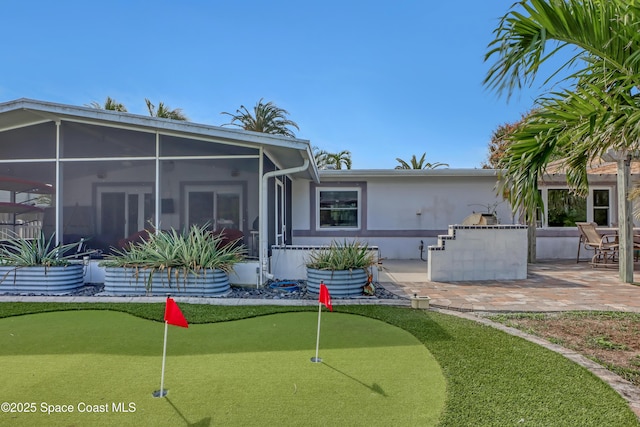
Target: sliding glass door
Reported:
[(124, 211), (219, 207)]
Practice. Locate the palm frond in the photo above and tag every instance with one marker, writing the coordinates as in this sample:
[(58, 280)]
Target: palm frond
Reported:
[(414, 163), (595, 28), (163, 111), (599, 111), (266, 118)]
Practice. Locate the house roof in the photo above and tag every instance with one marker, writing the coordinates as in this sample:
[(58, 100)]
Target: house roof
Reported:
[(374, 173), (285, 152), (597, 167)]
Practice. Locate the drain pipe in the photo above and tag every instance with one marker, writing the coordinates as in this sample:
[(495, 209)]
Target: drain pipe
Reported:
[(264, 214)]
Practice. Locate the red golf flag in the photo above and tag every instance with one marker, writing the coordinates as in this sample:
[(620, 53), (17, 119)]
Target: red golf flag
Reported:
[(173, 315), (325, 298)]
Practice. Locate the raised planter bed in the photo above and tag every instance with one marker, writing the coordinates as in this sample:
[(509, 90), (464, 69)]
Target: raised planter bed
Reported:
[(56, 280), (340, 283), (129, 281)]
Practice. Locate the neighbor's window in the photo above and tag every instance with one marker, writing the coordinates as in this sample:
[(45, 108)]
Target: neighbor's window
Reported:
[(565, 208), (338, 208), (601, 207)]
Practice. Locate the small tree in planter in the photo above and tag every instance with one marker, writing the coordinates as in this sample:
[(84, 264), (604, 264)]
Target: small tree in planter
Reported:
[(343, 267), (39, 265), (195, 262)]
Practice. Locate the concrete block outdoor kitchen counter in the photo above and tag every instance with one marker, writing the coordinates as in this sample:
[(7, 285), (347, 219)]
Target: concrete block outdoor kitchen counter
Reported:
[(479, 252)]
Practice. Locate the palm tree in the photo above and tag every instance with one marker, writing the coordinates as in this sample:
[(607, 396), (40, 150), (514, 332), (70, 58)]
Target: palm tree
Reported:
[(327, 160), (109, 104), (266, 118), (320, 157), (165, 112), (598, 113), (336, 160), (418, 164)]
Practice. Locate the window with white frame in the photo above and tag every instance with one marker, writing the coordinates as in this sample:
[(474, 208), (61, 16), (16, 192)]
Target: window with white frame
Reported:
[(338, 208), (601, 209), (563, 208)]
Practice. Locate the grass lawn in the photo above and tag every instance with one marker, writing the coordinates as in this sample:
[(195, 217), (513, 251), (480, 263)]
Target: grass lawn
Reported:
[(611, 339), (257, 371)]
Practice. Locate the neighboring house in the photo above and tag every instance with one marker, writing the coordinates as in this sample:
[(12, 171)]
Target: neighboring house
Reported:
[(557, 235)]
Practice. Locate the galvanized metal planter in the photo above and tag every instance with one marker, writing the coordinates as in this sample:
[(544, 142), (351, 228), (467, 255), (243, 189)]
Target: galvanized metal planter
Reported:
[(129, 281), (41, 280), (341, 283)]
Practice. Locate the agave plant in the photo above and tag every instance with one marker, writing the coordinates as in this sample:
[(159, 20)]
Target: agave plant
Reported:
[(18, 252), (178, 253), (347, 255)]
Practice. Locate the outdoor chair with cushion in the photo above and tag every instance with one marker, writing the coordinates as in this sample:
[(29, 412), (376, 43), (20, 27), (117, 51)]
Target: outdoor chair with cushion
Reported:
[(605, 246)]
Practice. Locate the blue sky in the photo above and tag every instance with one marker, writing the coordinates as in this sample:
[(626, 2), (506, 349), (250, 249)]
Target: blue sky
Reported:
[(381, 79)]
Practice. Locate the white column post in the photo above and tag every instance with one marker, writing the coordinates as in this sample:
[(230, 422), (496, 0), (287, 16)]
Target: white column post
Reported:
[(625, 221)]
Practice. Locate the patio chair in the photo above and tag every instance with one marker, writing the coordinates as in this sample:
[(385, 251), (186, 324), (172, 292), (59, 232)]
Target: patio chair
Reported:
[(605, 246)]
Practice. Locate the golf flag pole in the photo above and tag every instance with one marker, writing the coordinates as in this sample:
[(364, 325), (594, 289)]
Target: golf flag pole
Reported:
[(162, 392), (317, 359), (325, 299), (172, 316)]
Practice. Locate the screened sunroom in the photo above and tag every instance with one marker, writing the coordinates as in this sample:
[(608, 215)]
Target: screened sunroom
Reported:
[(105, 177)]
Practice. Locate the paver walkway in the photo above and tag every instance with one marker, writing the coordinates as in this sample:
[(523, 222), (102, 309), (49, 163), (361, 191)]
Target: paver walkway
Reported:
[(550, 286)]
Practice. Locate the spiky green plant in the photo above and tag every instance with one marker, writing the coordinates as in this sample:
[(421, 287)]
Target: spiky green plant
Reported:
[(345, 255), (178, 253), (42, 252)]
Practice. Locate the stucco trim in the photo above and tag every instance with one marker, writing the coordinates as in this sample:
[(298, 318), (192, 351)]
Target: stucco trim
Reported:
[(368, 233)]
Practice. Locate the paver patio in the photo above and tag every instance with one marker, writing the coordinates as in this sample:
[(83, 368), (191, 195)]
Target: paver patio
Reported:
[(550, 286)]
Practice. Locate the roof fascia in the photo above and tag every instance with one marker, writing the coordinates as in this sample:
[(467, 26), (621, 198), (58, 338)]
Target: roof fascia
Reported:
[(59, 111), (398, 173)]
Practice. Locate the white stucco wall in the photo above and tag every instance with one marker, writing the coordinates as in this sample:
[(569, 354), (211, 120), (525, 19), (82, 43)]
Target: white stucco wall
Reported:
[(470, 253), (560, 248), (301, 204), (408, 203), (400, 209)]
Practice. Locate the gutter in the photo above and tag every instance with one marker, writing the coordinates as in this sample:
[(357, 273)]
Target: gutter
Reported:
[(264, 214)]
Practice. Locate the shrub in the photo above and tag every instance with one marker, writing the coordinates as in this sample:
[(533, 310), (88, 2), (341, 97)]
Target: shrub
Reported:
[(42, 252), (347, 255), (174, 253)]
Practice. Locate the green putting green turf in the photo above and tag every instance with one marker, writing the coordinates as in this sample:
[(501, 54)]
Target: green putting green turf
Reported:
[(249, 372)]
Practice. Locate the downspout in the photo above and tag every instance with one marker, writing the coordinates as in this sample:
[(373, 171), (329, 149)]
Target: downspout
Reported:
[(58, 187), (262, 232)]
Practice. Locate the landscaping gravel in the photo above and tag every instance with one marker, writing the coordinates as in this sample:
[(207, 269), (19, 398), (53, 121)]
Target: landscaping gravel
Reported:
[(265, 292), (268, 293)]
